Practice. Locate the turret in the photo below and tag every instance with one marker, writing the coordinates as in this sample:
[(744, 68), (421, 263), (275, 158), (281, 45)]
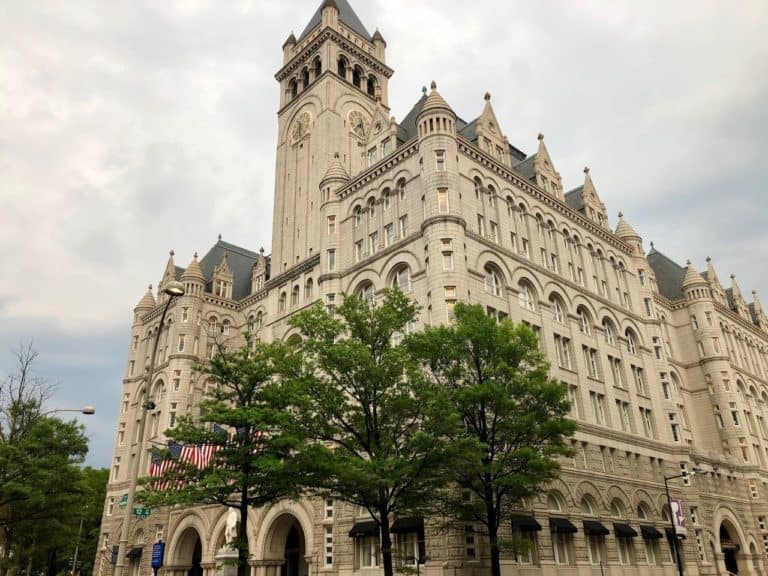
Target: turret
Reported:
[(146, 303), (193, 278), (288, 46), (168, 275), (625, 232), (379, 45)]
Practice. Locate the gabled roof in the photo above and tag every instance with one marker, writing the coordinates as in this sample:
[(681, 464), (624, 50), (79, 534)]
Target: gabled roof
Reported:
[(346, 15), (669, 274), (240, 261)]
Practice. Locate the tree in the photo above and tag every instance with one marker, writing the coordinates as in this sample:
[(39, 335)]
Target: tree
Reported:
[(513, 415), (378, 427), (40, 480), (242, 437)]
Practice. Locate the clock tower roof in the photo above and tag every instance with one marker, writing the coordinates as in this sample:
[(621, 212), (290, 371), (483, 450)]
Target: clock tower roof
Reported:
[(346, 15)]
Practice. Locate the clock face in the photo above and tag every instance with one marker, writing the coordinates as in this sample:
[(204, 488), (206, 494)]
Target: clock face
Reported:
[(301, 126)]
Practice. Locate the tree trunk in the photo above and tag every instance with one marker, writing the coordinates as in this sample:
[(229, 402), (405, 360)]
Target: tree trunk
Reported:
[(493, 526), (242, 534), (386, 543)]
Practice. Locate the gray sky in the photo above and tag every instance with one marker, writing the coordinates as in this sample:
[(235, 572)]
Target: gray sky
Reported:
[(131, 128)]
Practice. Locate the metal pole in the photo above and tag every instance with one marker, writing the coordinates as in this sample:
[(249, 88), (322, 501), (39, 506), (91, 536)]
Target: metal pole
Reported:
[(134, 473), (674, 525), (77, 547)]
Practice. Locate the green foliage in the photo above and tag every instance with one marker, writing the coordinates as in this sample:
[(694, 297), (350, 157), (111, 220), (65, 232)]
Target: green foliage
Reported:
[(244, 418), (379, 427), (515, 424)]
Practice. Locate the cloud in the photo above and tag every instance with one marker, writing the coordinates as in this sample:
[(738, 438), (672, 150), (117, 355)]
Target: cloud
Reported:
[(128, 129)]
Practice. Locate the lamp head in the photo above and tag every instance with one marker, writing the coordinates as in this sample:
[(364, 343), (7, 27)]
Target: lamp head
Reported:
[(89, 410), (174, 288)]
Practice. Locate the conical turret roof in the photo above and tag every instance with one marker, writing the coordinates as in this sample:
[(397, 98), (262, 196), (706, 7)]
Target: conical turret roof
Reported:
[(148, 301), (624, 230), (193, 271), (335, 171), (435, 102), (692, 277)]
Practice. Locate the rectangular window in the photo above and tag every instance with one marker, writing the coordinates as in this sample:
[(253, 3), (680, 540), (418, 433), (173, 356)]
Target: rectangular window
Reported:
[(185, 314), (560, 548), (753, 493), (573, 396), (499, 153), (332, 225), (389, 234), (595, 549), (372, 156), (440, 160), (172, 415), (328, 556), (555, 263), (592, 362), (331, 254), (182, 342), (708, 317), (494, 231), (637, 373), (110, 505), (358, 250), (373, 243), (641, 277), (524, 250), (442, 200), (694, 323), (625, 550), (647, 419), (700, 545), (480, 225), (598, 406), (367, 551), (385, 147), (563, 350), (734, 414), (131, 367), (580, 276), (648, 307), (469, 542), (403, 226)]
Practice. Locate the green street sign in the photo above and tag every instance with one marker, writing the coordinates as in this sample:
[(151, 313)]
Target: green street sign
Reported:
[(123, 502), (141, 512)]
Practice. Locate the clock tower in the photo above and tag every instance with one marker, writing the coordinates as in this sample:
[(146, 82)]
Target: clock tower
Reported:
[(333, 102)]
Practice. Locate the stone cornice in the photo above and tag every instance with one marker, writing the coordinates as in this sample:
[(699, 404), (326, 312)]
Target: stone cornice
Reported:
[(471, 151), (382, 166), (293, 272), (348, 47)]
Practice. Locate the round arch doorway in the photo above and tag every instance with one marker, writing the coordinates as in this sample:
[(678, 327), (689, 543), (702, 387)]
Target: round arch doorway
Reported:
[(730, 548), (286, 542), (189, 553)]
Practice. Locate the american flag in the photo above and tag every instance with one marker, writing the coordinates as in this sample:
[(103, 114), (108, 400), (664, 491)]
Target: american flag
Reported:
[(160, 465)]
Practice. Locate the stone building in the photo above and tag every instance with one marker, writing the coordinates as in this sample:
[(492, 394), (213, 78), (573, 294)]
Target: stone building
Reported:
[(666, 368)]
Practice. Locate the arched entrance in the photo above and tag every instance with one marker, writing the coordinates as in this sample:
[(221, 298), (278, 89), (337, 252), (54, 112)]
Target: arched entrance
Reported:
[(189, 552), (286, 543), (730, 548)]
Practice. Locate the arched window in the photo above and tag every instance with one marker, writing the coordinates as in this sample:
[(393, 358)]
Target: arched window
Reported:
[(366, 292), (293, 87), (357, 75), (478, 186), (304, 78), (386, 198), (609, 332), (402, 278), (371, 86), (317, 67), (585, 321), (631, 341), (617, 508), (643, 512), (358, 216), (525, 296), (555, 502), (371, 208), (295, 295), (259, 322), (342, 67), (282, 301), (401, 188), (308, 289), (588, 505), (213, 324), (558, 309), (492, 280), (225, 327)]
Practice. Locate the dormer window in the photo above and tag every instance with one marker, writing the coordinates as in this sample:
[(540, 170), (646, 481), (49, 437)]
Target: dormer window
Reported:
[(222, 289)]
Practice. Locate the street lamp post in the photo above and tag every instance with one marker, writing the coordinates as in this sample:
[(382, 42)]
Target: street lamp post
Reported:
[(677, 549), (172, 289), (88, 410)]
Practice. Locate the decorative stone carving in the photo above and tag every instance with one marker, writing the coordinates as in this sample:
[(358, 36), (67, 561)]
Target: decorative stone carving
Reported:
[(359, 124), (301, 126)]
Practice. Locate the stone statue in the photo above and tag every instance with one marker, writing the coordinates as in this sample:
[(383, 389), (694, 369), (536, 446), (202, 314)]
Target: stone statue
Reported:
[(230, 532)]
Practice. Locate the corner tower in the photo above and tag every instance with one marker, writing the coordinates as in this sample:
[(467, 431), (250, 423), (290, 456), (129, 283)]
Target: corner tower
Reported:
[(333, 92)]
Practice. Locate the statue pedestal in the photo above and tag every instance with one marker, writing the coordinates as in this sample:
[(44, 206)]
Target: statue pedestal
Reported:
[(226, 561)]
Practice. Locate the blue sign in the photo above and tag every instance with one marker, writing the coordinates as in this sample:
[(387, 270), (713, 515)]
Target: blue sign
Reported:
[(158, 551)]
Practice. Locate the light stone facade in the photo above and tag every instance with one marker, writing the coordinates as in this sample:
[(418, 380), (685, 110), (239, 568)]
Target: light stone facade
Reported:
[(667, 370)]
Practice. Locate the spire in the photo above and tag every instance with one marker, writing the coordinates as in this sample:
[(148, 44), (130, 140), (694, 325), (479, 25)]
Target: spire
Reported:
[(346, 16), (757, 305), (170, 270), (624, 230), (147, 302), (712, 275), (546, 175), (335, 171), (691, 277), (736, 291), (193, 271), (435, 102)]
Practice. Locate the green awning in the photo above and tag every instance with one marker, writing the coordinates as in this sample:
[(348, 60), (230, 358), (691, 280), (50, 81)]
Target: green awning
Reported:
[(364, 528)]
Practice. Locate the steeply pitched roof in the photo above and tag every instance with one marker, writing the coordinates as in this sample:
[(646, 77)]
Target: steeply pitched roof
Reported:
[(527, 167), (346, 15), (469, 131), (575, 198), (407, 127), (669, 274), (240, 261)]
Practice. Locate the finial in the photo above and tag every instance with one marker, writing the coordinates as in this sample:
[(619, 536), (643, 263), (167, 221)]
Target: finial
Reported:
[(733, 276), (709, 259), (219, 236), (621, 214), (433, 85), (652, 246), (586, 169), (195, 255), (487, 97), (261, 250), (172, 253), (149, 287), (687, 262), (540, 136), (423, 89), (754, 292)]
